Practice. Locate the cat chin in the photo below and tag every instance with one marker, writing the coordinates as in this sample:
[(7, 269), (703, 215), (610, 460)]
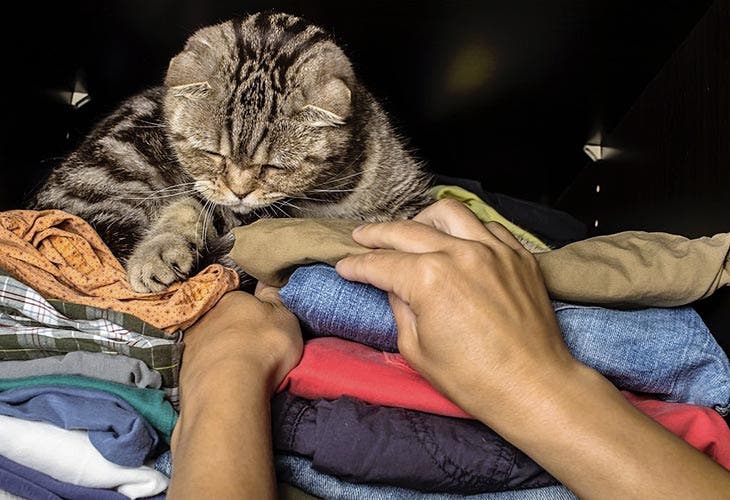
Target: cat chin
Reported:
[(244, 209)]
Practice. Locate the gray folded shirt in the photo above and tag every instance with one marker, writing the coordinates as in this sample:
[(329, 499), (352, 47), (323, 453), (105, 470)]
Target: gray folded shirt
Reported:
[(110, 367)]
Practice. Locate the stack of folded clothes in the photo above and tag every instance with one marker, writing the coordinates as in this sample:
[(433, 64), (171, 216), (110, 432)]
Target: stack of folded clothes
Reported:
[(353, 420), (88, 368)]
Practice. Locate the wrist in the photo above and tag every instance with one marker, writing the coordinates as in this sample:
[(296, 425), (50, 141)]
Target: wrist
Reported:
[(544, 395)]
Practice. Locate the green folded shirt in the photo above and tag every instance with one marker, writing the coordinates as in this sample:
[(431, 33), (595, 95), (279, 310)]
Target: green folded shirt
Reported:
[(150, 403)]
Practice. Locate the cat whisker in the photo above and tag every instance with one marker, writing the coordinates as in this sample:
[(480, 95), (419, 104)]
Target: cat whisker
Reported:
[(163, 195), (151, 123), (270, 207), (207, 219), (353, 190), (199, 224), (156, 195), (294, 206), (197, 221), (336, 180), (275, 206), (167, 188), (306, 198)]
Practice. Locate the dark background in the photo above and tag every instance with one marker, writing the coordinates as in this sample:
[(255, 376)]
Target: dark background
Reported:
[(506, 92)]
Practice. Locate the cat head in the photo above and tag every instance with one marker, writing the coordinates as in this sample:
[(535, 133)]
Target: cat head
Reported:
[(258, 108)]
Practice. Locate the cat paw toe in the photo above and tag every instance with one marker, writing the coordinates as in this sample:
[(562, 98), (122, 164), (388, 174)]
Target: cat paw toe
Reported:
[(159, 262)]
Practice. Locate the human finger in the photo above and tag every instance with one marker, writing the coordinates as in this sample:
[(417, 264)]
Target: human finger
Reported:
[(387, 270), (267, 293), (454, 218), (405, 322), (503, 234), (404, 235)]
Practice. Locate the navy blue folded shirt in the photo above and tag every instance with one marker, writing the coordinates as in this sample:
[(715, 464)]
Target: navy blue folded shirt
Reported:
[(360, 442)]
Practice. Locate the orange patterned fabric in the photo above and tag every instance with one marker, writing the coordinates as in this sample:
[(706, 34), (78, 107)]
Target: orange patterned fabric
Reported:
[(62, 257)]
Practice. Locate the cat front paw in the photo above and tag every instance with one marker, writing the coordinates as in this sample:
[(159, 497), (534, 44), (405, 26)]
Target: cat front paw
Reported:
[(160, 261)]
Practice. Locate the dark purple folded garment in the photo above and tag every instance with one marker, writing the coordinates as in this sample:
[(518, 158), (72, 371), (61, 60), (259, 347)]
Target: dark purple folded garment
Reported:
[(29, 483), (359, 442)]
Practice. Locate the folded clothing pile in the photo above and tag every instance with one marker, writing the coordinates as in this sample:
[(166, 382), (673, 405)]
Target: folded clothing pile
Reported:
[(88, 368), (353, 420), (355, 416)]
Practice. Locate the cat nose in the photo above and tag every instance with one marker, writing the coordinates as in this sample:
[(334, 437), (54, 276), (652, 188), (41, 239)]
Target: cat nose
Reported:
[(240, 192)]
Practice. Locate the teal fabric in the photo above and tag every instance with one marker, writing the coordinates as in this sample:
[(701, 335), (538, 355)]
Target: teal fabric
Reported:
[(150, 403)]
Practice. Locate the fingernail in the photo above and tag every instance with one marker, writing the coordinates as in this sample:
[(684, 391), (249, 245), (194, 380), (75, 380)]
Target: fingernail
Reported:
[(358, 228), (339, 264)]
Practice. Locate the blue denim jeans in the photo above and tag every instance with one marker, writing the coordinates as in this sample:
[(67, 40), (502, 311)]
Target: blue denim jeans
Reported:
[(298, 472), (163, 463), (669, 353)]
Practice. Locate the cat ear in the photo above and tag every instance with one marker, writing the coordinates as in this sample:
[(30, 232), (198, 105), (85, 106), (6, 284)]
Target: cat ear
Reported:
[(324, 83), (330, 106), (183, 76), (191, 90), (327, 105), (318, 117)]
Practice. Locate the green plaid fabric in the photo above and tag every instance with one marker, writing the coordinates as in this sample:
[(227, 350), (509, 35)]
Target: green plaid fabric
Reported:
[(125, 320), (31, 327)]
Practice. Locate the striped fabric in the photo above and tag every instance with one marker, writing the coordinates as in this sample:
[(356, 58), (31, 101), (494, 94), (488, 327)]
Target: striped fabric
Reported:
[(30, 327)]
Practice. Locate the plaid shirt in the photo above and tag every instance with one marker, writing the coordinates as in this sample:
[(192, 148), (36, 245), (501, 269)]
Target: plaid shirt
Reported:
[(31, 327)]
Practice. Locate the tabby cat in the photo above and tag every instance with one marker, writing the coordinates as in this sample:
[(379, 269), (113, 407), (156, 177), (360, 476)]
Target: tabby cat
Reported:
[(258, 117)]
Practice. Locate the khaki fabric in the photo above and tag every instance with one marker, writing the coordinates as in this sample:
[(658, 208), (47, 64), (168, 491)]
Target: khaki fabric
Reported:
[(270, 249), (630, 269), (636, 268)]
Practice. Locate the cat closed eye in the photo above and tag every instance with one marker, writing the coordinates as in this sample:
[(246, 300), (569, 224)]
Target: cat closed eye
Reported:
[(272, 166), (211, 153)]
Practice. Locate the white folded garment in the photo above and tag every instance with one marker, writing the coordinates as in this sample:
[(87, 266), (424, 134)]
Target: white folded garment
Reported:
[(70, 457), (4, 495)]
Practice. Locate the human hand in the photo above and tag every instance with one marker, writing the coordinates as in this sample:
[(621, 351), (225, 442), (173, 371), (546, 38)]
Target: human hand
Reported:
[(471, 308), (244, 331)]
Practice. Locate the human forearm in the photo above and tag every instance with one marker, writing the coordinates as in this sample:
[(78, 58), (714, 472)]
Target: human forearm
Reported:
[(222, 447), (235, 356), (588, 436)]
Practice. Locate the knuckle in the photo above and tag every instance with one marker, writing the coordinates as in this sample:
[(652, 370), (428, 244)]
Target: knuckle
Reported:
[(448, 205), (401, 226), (531, 261), (431, 270), (369, 259), (474, 254)]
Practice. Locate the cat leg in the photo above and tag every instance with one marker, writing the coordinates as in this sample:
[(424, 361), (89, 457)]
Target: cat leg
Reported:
[(170, 249)]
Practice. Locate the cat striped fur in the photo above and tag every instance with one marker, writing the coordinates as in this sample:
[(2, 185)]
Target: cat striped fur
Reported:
[(258, 117)]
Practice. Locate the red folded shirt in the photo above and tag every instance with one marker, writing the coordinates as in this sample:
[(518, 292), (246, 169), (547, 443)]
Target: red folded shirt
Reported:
[(332, 367)]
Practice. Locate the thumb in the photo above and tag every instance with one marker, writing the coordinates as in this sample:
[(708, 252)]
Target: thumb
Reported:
[(267, 293), (405, 322)]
